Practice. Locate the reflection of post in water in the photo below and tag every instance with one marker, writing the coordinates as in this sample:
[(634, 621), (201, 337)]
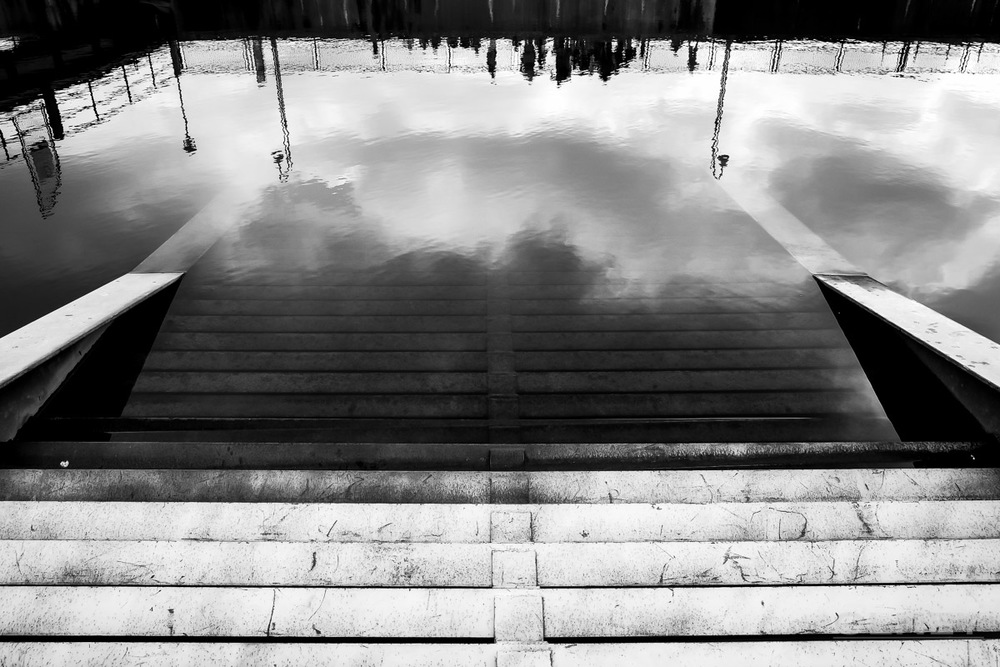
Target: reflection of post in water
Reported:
[(54, 115), (93, 102), (904, 57), (38, 147), (152, 73), (779, 45), (528, 60), (3, 144), (257, 53), (564, 66), (278, 156), (719, 162), (176, 57), (491, 58), (692, 56), (188, 143), (128, 90)]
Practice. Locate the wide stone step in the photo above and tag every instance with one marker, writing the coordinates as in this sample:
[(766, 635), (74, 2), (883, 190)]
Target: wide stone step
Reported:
[(362, 564), (459, 523), (695, 487), (447, 565), (240, 451), (903, 652), (154, 611)]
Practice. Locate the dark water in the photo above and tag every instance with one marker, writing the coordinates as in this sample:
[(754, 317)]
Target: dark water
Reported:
[(887, 151)]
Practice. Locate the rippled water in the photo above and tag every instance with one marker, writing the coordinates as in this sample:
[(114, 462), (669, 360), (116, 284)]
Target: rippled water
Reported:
[(612, 150)]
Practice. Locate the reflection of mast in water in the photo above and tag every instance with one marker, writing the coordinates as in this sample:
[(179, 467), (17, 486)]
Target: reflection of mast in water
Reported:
[(38, 147), (776, 55), (719, 162), (177, 59), (278, 156), (3, 144), (188, 143), (491, 57)]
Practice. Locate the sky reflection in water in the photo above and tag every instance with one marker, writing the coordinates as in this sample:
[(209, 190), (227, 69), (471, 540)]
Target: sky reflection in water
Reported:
[(896, 172)]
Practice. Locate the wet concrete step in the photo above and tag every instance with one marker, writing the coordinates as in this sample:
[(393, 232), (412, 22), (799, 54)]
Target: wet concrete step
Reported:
[(161, 562), (144, 611), (901, 652), (698, 487), (263, 448), (593, 360)]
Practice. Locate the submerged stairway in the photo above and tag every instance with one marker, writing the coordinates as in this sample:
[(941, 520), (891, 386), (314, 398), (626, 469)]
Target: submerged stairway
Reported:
[(895, 566)]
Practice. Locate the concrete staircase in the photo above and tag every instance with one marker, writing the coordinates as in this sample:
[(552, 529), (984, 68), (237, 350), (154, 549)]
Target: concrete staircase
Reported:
[(894, 566)]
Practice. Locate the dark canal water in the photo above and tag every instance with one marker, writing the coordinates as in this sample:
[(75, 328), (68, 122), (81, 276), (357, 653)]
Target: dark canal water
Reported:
[(888, 151)]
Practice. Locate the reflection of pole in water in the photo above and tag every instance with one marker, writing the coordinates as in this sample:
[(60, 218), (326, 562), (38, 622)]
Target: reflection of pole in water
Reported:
[(257, 51), (152, 73), (52, 110), (719, 162), (838, 61), (93, 102), (692, 56), (3, 143), (963, 64), (776, 55), (176, 58), (285, 157), (128, 91), (491, 59), (38, 147), (188, 143), (904, 57)]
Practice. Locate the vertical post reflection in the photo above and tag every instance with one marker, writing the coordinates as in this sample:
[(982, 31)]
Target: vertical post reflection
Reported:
[(257, 51), (38, 147), (286, 157), (128, 90), (719, 162), (188, 143)]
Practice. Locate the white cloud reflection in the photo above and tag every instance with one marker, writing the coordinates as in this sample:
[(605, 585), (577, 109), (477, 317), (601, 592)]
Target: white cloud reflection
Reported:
[(898, 174)]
